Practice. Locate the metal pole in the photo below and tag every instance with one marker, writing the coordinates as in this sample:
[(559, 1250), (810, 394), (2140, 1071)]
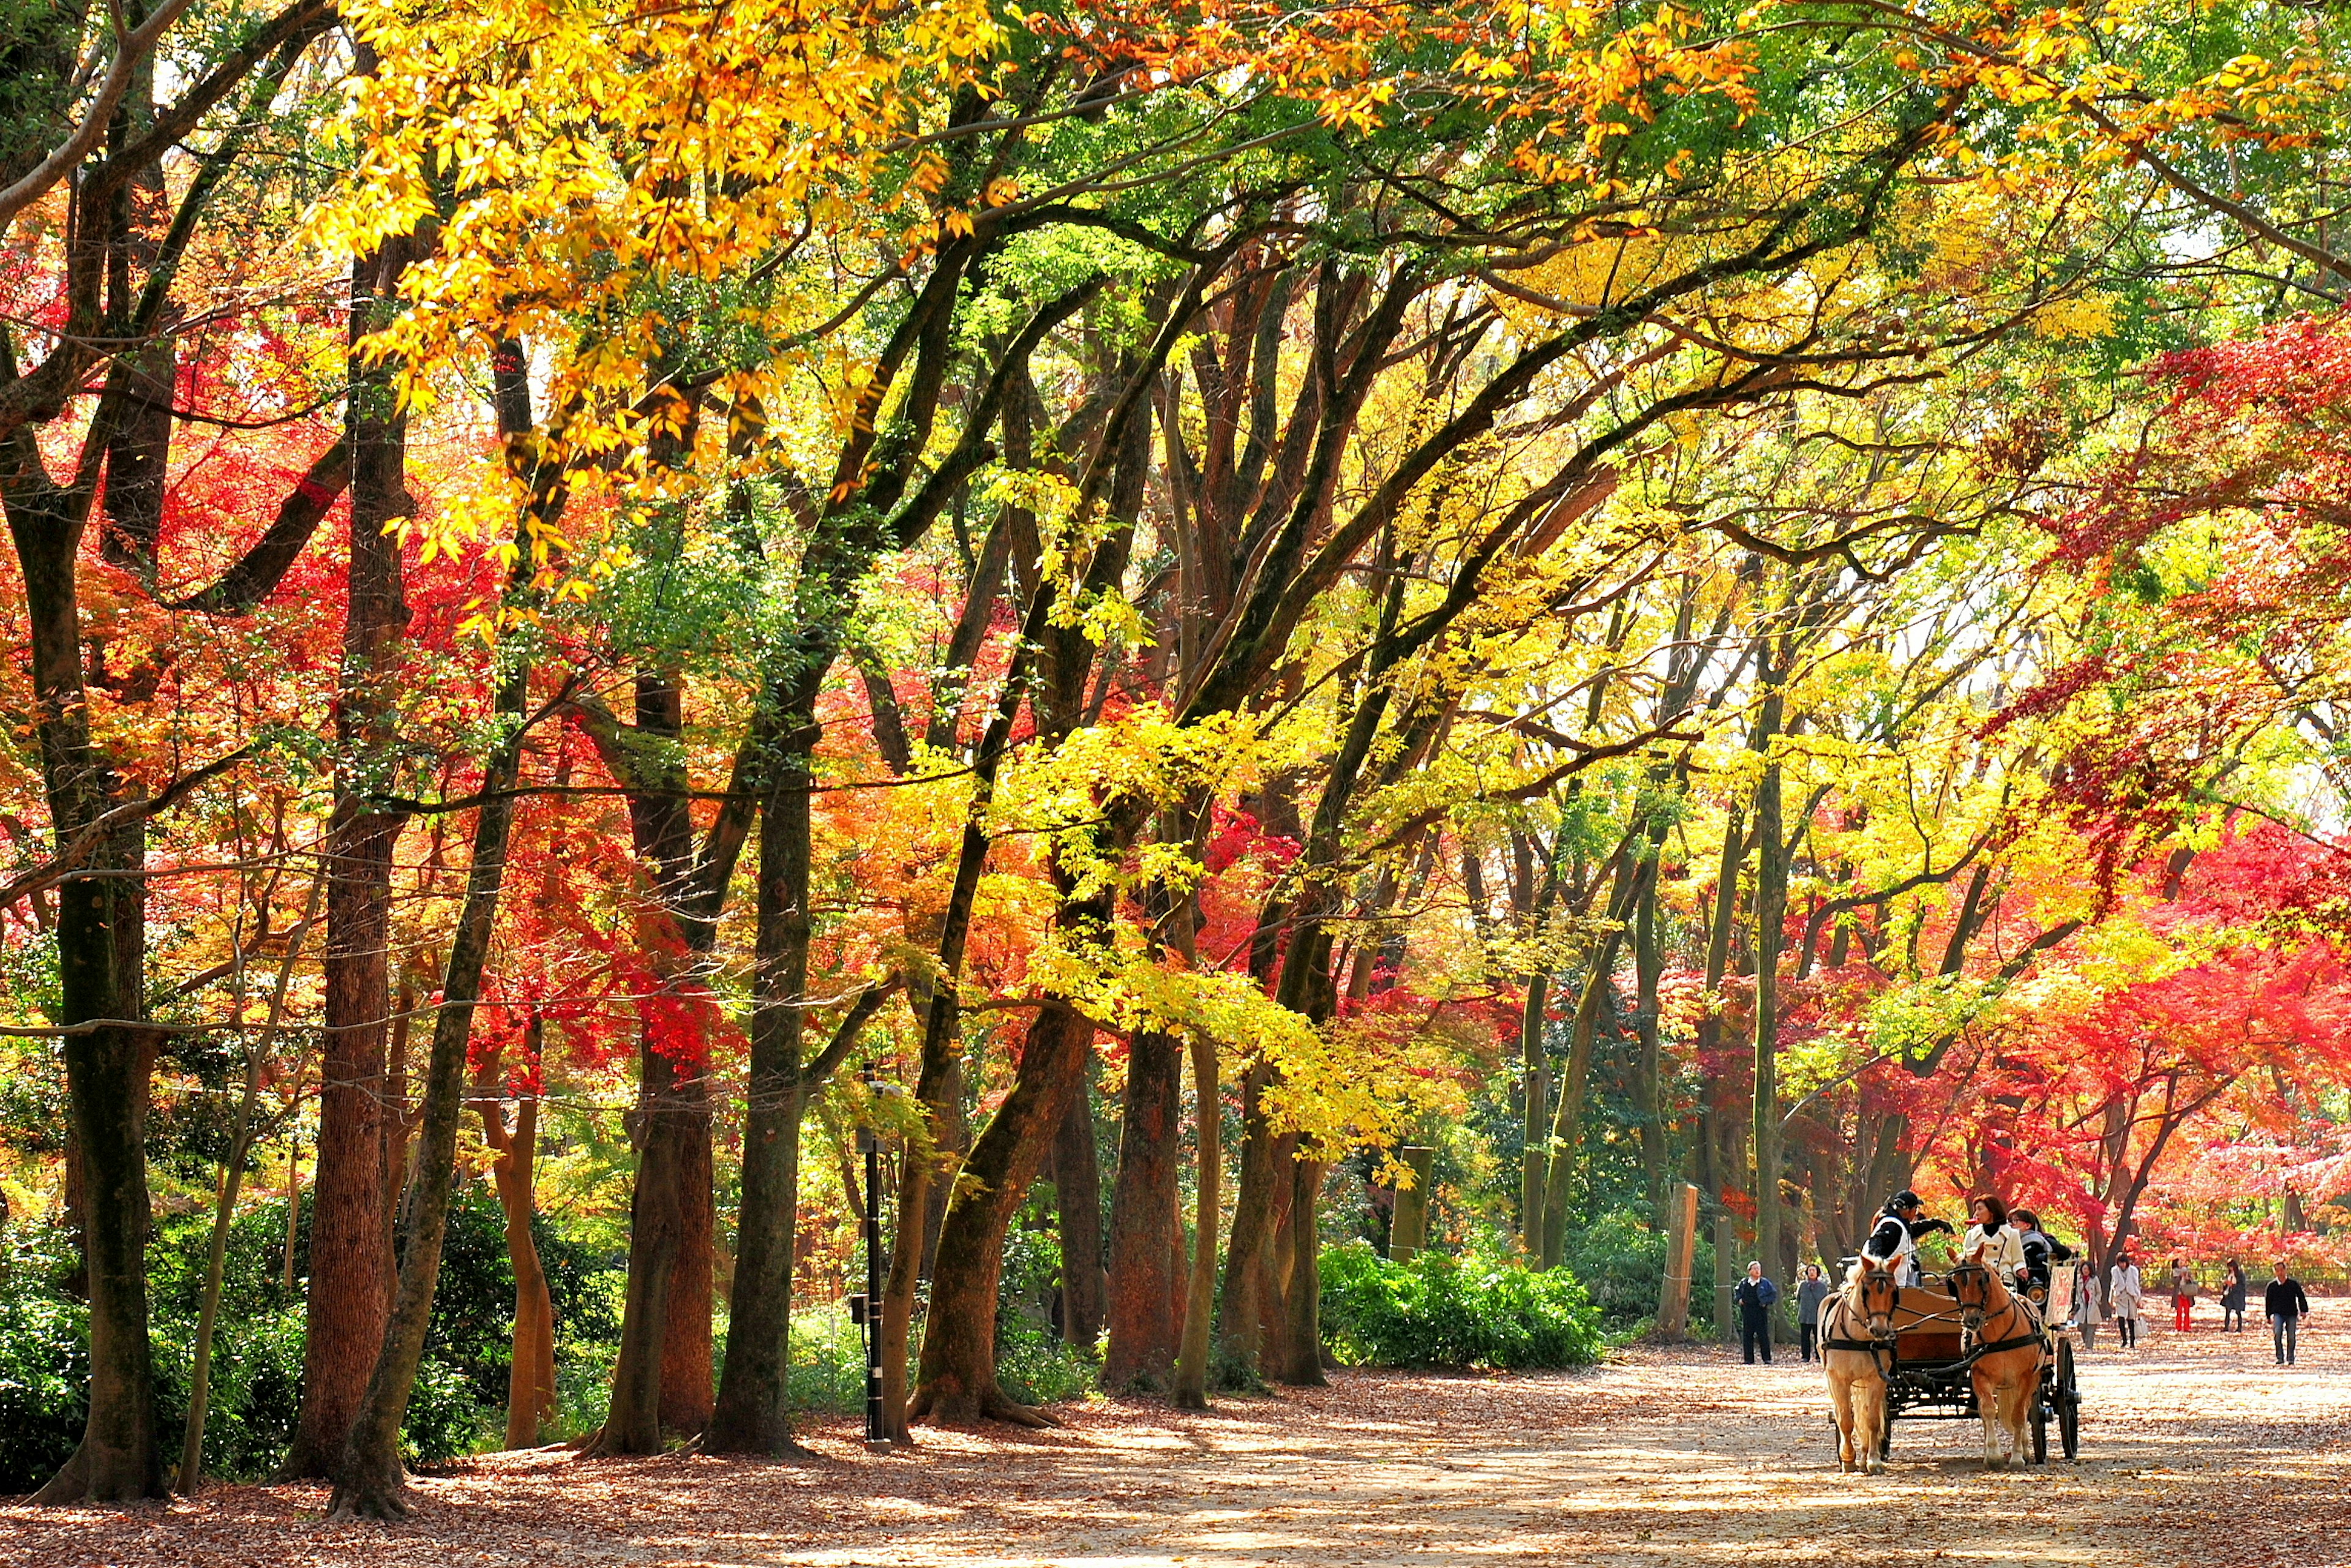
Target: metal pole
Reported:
[(872, 1144)]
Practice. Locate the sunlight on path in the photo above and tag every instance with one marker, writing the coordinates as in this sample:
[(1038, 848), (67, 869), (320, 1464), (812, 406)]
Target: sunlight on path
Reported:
[(2195, 1451)]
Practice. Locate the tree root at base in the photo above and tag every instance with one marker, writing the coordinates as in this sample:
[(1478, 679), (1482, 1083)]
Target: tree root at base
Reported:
[(992, 1403)]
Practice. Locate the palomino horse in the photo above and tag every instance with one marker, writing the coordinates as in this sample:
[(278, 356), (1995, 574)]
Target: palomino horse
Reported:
[(2007, 1352), (1856, 1341)]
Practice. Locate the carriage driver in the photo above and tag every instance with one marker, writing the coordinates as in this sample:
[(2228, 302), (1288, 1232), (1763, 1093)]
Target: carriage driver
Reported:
[(1893, 1239)]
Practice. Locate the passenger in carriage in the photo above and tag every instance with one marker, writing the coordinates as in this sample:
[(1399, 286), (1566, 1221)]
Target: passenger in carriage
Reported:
[(2040, 1248), (2006, 1247), (1893, 1239)]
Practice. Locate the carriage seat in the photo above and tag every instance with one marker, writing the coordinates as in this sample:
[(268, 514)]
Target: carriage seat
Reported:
[(1927, 1340)]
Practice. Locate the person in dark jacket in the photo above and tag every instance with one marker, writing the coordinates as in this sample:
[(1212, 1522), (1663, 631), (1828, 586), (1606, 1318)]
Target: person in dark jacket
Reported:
[(2233, 1298), (2286, 1303), (2040, 1248), (1810, 1294), (1755, 1296), (1893, 1239)]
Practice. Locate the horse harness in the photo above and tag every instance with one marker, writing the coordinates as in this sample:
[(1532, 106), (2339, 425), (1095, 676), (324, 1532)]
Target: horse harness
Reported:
[(1876, 1349), (1887, 1352), (2019, 1308)]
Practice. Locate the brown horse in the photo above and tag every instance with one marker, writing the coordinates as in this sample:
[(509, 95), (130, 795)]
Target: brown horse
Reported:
[(1856, 1341), (2007, 1376)]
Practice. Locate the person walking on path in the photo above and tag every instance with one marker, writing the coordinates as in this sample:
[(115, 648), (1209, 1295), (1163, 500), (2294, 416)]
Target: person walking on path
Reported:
[(2183, 1295), (2123, 1291), (1755, 1296), (2085, 1311), (1810, 1294), (2286, 1303), (2232, 1297)]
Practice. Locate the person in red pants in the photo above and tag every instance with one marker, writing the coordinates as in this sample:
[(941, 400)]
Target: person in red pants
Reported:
[(2183, 1295)]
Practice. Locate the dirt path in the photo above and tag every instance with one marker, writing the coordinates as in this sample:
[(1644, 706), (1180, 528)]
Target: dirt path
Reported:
[(2196, 1451)]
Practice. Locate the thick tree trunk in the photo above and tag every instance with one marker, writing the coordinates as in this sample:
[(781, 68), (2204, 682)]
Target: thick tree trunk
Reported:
[(660, 1377), (688, 1366), (350, 1255), (1146, 1281), (107, 1067), (751, 1416), (368, 1483), (656, 1226), (1077, 1194), (369, 1477), (958, 1364), (1273, 1264)]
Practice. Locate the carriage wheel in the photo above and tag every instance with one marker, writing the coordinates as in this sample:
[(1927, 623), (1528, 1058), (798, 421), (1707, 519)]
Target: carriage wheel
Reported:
[(2039, 1433), (2069, 1402)]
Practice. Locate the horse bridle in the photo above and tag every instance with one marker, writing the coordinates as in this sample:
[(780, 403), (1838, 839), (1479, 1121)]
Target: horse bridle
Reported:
[(1850, 1303), (1971, 1313)]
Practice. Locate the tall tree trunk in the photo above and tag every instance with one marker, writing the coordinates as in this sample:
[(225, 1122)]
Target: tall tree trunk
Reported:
[(1567, 1126), (1771, 911), (661, 1375), (530, 1378), (369, 1480), (1200, 1289), (368, 1483), (1077, 1196), (959, 1362), (751, 1416), (1302, 1363), (632, 1422), (1534, 1163), (939, 1081), (1144, 1308), (1240, 1304), (1648, 1097), (108, 1064), (350, 1254), (688, 1368)]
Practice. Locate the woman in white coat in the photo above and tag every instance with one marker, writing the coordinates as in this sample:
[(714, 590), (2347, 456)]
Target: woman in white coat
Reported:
[(2007, 1250), (2123, 1289), (2086, 1315)]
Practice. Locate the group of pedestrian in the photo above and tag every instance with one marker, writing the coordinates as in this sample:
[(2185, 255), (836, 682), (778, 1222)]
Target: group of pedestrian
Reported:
[(2014, 1243)]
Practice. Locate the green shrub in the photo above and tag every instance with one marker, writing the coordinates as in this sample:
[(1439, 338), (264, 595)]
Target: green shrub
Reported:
[(1439, 1310), (1035, 1369), (1622, 1262), (459, 1402), (826, 1371), (44, 1363)]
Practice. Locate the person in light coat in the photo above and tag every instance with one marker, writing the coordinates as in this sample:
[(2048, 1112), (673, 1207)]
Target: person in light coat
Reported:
[(2007, 1250), (2123, 1289), (2086, 1315)]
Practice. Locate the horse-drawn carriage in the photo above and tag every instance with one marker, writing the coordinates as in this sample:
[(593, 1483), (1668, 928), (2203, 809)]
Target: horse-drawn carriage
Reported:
[(1940, 1349)]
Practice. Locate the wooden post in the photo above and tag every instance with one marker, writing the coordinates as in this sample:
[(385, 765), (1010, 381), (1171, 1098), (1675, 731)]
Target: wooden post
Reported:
[(1409, 1231), (1681, 1250)]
